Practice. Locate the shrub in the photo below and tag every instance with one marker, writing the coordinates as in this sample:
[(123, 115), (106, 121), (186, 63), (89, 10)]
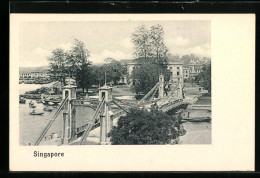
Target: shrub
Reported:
[(144, 127)]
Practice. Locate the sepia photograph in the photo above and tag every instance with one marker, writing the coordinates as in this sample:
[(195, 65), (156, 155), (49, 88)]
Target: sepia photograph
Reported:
[(132, 92), (119, 83)]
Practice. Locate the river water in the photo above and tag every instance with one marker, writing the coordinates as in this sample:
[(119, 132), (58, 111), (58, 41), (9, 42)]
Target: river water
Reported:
[(32, 126)]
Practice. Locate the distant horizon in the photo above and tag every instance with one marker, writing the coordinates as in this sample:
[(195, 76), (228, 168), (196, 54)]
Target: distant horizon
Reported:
[(107, 38), (100, 62)]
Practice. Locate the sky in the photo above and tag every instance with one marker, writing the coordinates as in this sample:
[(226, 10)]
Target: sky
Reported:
[(107, 39)]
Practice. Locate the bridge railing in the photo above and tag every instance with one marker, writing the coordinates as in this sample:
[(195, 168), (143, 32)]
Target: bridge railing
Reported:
[(171, 103), (96, 125), (80, 129)]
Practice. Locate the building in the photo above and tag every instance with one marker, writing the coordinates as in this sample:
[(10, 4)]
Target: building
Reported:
[(176, 70), (195, 68), (33, 74), (39, 74), (123, 80), (131, 66), (25, 75), (179, 72), (186, 72)]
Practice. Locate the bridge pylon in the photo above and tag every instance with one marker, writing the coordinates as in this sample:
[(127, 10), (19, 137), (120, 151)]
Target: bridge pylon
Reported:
[(161, 86), (69, 115), (106, 121)]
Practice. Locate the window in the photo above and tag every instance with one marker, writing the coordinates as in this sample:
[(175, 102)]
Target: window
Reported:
[(170, 67), (178, 67), (186, 71), (178, 73), (103, 94)]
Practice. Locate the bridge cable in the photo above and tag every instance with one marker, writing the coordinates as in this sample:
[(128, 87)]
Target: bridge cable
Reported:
[(89, 127), (154, 93), (125, 103), (120, 106), (51, 122), (149, 93)]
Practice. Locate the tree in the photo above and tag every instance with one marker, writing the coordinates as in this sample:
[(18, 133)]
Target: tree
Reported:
[(146, 75), (204, 78), (149, 43), (143, 127), (72, 63), (97, 75), (159, 49), (151, 51), (57, 63), (114, 70), (141, 41), (79, 64)]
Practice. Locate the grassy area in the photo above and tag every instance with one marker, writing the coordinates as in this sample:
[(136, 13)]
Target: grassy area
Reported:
[(119, 91), (123, 91)]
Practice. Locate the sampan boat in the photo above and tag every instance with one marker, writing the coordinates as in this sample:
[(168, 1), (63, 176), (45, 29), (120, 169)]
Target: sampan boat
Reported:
[(36, 113), (199, 119), (47, 109)]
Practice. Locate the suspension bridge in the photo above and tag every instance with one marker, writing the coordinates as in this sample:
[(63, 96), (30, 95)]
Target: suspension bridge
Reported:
[(103, 116)]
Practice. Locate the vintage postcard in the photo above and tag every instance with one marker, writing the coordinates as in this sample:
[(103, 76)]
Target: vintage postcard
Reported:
[(132, 92)]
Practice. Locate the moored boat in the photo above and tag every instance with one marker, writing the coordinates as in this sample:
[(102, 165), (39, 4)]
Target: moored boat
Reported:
[(31, 105), (51, 99), (51, 103), (47, 109), (39, 101), (21, 100), (183, 121), (199, 119), (36, 113)]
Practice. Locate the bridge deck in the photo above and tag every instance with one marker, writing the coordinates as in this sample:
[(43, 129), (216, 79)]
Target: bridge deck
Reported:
[(170, 105)]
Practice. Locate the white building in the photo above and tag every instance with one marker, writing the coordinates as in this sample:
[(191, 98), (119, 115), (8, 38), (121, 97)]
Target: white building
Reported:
[(195, 68), (186, 72), (176, 70), (32, 74), (131, 66)]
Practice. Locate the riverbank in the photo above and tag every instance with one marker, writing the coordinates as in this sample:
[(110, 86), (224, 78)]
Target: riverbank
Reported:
[(197, 133), (36, 81), (30, 87)]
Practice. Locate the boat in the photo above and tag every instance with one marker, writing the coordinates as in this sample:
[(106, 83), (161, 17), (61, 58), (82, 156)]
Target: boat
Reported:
[(183, 121), (36, 113), (47, 109), (51, 103), (31, 105), (199, 119), (51, 99), (39, 101), (21, 100)]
